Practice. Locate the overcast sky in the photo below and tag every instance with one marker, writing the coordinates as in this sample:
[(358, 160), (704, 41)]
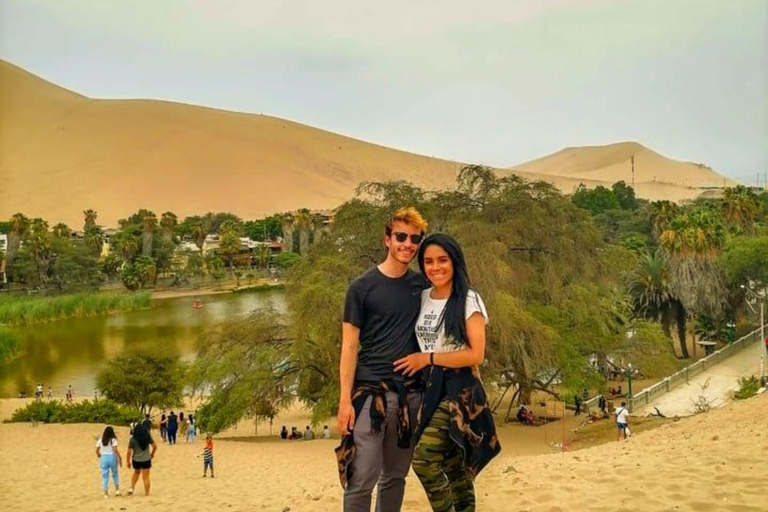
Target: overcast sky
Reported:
[(492, 82)]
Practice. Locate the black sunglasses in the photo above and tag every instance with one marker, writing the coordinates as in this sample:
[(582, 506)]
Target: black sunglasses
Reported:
[(401, 237)]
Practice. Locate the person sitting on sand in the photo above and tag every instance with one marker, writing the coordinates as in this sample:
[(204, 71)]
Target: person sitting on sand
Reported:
[(294, 434), (140, 457), (326, 432), (309, 435), (109, 457), (284, 433)]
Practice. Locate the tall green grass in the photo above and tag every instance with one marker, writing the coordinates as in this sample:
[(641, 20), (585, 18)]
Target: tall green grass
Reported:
[(9, 344), (23, 310)]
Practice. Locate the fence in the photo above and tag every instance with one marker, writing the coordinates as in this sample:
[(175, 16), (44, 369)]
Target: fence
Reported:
[(649, 394)]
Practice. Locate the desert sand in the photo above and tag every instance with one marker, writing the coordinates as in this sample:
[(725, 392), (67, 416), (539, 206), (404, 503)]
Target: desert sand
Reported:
[(62, 153), (711, 462)]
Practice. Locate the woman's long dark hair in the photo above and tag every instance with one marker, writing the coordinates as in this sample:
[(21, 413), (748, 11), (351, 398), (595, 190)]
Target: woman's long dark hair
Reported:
[(108, 436), (141, 435), (455, 309)]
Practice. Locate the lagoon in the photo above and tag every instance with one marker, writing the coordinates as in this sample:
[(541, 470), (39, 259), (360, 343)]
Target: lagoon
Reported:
[(73, 351)]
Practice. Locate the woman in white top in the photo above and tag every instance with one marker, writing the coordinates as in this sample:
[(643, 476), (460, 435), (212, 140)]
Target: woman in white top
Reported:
[(109, 457), (456, 435)]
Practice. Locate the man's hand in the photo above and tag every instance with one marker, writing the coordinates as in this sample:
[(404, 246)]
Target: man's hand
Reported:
[(346, 417), (411, 364)]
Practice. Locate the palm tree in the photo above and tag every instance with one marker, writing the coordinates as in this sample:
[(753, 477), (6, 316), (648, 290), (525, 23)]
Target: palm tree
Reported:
[(148, 223), (229, 241), (199, 233), (741, 206), (128, 245), (19, 227), (318, 228), (661, 215), (652, 296), (38, 243), (261, 254), (287, 223), (304, 221), (168, 222), (61, 230), (90, 219)]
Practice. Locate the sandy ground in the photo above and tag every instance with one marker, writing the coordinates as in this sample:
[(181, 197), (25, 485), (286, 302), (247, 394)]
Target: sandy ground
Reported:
[(712, 462)]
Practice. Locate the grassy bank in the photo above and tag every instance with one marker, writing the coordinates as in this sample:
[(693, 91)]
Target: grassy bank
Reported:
[(30, 309)]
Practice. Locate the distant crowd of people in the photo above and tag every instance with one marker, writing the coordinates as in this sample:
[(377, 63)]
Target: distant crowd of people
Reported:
[(308, 434), (40, 393)]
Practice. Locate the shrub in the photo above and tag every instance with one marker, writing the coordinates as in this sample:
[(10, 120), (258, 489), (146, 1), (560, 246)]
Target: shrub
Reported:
[(748, 387), (98, 411)]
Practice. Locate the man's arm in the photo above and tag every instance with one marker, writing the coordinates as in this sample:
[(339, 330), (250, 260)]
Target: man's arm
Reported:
[(350, 340)]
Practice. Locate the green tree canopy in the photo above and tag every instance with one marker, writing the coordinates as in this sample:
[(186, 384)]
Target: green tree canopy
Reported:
[(143, 380)]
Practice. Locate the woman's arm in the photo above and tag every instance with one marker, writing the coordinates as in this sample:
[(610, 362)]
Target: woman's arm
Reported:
[(471, 356), (98, 452), (154, 449), (119, 457), (128, 458)]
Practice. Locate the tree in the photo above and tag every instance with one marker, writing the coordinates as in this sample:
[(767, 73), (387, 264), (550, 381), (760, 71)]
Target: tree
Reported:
[(90, 219), (303, 219), (625, 195), (38, 245), (661, 215), (19, 225), (168, 222), (61, 230), (741, 206), (261, 255), (245, 367), (287, 224), (148, 223), (746, 261), (649, 287), (229, 241), (597, 200), (143, 380), (128, 245), (146, 270)]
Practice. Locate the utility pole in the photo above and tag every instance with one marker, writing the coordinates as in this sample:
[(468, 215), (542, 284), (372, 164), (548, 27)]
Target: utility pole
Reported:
[(762, 337)]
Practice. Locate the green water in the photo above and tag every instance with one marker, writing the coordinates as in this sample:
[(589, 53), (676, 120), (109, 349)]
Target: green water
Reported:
[(74, 351)]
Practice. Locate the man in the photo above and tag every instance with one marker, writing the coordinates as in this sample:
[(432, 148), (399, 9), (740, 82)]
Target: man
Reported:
[(309, 435), (376, 406), (622, 421)]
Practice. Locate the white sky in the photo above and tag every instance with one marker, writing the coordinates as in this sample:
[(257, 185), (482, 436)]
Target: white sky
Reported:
[(496, 82)]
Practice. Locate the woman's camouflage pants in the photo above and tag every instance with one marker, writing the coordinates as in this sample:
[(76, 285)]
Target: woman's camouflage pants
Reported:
[(437, 461)]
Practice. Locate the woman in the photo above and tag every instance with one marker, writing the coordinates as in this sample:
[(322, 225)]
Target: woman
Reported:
[(172, 428), (140, 457), (456, 436), (109, 458), (163, 427), (191, 429)]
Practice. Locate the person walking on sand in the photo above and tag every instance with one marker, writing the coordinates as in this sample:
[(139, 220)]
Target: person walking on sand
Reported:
[(140, 457), (208, 456), (164, 427), (456, 435), (622, 421), (191, 429), (377, 405), (173, 427), (109, 458)]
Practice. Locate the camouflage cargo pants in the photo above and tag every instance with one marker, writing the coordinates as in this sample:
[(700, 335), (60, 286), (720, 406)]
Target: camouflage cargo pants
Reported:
[(437, 461)]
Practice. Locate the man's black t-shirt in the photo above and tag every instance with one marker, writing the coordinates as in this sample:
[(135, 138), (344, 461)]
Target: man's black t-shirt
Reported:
[(385, 310)]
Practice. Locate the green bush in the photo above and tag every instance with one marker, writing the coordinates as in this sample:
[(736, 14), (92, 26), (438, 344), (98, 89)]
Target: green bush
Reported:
[(748, 387), (99, 411), (23, 310)]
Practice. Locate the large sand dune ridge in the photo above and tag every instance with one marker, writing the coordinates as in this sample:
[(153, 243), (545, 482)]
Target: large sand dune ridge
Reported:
[(62, 153)]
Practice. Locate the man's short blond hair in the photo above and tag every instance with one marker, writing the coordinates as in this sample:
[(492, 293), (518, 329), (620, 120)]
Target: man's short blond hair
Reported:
[(407, 215)]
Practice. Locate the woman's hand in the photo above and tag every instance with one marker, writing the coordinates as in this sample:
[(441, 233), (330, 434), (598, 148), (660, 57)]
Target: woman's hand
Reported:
[(411, 364)]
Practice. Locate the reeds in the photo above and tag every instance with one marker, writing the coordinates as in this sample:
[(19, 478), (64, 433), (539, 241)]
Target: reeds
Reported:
[(24, 310)]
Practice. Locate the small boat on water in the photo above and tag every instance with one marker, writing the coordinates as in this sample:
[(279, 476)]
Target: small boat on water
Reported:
[(197, 304)]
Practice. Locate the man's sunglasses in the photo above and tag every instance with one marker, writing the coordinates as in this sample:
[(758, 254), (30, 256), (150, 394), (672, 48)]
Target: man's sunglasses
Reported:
[(401, 237)]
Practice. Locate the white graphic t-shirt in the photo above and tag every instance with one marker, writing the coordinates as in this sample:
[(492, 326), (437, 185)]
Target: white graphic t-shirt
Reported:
[(432, 340)]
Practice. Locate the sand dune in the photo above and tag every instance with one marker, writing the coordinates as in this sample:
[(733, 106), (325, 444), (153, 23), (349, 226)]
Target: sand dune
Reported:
[(61, 153), (712, 462)]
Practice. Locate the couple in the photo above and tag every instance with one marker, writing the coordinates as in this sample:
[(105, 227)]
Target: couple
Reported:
[(391, 413)]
